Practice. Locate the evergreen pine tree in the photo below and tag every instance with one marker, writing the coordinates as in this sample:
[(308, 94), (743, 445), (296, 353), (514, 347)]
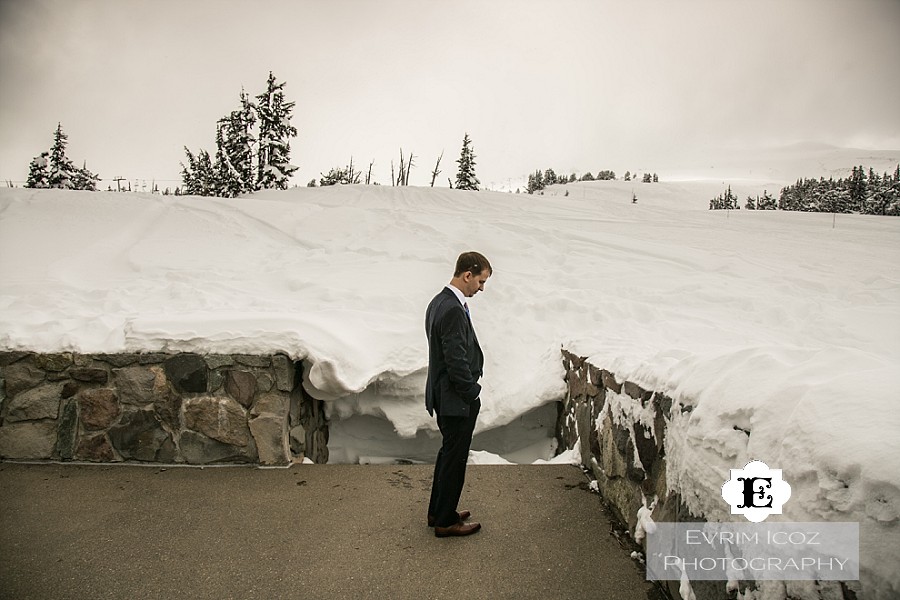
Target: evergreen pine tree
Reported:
[(84, 179), (226, 179), (198, 175), (535, 182), (61, 168), (206, 174), (189, 176), (767, 202), (38, 173), (275, 130), (234, 169), (465, 176), (549, 177)]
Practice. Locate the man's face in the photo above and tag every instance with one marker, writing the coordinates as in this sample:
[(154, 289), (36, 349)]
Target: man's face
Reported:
[(472, 284)]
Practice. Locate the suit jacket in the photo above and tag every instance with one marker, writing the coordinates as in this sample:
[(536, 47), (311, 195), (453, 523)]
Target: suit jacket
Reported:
[(455, 360)]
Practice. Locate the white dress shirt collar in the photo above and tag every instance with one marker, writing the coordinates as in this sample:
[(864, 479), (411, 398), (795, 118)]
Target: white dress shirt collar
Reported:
[(456, 292)]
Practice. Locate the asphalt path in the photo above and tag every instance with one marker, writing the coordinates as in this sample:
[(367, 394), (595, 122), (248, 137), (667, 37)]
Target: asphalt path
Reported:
[(309, 531)]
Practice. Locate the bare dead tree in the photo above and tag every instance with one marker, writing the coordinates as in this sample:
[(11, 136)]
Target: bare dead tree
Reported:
[(350, 171), (436, 171), (409, 166), (369, 174), (402, 169), (450, 181), (393, 181)]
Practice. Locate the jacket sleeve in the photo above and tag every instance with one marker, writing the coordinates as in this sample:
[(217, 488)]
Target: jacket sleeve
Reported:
[(453, 341)]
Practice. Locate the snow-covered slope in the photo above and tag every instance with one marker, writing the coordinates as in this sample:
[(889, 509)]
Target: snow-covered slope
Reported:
[(784, 324)]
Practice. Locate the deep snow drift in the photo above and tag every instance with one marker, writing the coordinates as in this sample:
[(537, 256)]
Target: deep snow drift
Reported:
[(780, 324)]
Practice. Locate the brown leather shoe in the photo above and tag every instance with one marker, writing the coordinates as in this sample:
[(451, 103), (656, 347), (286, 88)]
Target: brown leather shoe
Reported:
[(457, 529), (460, 516)]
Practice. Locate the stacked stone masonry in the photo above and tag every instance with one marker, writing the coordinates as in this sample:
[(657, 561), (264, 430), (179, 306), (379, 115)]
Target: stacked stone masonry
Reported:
[(155, 407), (628, 458)]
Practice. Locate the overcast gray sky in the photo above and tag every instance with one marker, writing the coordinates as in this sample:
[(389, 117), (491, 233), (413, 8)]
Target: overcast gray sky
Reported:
[(569, 84)]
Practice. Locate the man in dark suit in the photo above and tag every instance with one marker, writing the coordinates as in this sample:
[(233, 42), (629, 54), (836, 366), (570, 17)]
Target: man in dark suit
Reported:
[(455, 364)]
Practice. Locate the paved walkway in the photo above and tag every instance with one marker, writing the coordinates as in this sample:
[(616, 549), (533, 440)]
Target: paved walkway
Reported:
[(310, 532)]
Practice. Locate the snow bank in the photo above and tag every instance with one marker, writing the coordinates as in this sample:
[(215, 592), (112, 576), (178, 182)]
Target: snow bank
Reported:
[(341, 276), (776, 323), (774, 320)]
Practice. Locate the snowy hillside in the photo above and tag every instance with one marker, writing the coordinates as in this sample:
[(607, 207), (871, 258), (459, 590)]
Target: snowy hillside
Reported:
[(785, 324)]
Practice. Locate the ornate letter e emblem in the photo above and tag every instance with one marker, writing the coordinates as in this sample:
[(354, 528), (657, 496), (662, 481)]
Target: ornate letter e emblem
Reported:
[(756, 491)]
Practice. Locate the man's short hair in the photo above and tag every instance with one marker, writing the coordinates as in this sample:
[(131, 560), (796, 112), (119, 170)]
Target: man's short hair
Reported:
[(473, 262)]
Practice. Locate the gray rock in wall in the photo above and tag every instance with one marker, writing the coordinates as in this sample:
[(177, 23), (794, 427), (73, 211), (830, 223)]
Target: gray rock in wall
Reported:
[(198, 449), (54, 362), (67, 430), (28, 440), (90, 375), (8, 358), (264, 382), (646, 445), (612, 460), (317, 446), (609, 381), (95, 448), (253, 360), (583, 426), (221, 419), (153, 358), (118, 360), (217, 361), (298, 440), (70, 388), (274, 403), (270, 433), (241, 385), (215, 382), (21, 376), (285, 371), (138, 436), (98, 408), (135, 385), (269, 426), (41, 402), (166, 401), (187, 372)]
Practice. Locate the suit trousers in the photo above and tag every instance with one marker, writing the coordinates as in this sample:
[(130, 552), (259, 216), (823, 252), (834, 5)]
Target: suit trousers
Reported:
[(450, 466)]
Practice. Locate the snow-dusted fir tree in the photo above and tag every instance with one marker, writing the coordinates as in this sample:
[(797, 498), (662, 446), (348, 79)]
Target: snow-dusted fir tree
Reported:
[(275, 131), (535, 182), (198, 175), (226, 179), (234, 169), (61, 168), (84, 179), (465, 176), (39, 172)]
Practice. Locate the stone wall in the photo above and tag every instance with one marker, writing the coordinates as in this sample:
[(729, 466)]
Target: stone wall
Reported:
[(165, 408), (627, 457)]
